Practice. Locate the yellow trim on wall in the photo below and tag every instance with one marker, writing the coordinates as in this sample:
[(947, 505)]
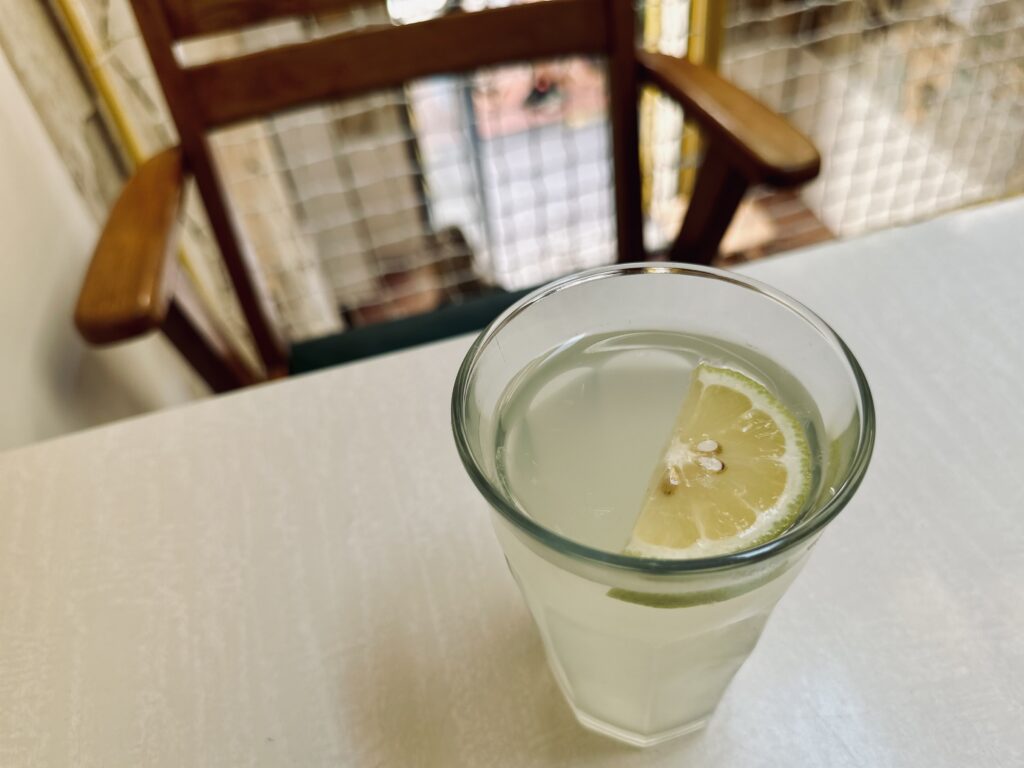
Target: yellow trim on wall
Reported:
[(648, 104), (86, 47)]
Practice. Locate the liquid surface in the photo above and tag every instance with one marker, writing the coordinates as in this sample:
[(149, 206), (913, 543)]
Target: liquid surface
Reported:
[(581, 429)]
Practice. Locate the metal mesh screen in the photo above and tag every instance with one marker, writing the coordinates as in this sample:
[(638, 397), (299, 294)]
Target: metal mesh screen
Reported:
[(917, 106), (398, 201)]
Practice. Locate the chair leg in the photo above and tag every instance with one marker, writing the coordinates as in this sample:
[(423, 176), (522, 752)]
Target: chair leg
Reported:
[(716, 196), (202, 345)]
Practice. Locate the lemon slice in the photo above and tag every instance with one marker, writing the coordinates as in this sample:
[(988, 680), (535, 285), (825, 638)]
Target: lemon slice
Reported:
[(735, 474)]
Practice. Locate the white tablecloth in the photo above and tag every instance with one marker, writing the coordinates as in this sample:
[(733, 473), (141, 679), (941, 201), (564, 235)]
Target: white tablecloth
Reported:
[(301, 574)]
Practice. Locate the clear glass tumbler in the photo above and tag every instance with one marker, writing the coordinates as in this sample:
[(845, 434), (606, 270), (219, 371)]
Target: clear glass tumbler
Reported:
[(643, 649)]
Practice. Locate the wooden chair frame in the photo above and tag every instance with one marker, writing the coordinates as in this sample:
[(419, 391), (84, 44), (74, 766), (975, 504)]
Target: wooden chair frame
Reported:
[(132, 286)]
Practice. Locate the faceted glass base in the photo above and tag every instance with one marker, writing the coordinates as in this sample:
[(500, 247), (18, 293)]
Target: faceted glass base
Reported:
[(636, 739)]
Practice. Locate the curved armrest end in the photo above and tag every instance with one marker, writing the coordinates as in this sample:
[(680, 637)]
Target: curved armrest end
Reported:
[(127, 288)]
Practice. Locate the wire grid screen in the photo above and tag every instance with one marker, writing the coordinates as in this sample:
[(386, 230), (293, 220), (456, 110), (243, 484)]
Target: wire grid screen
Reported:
[(400, 201), (917, 106), (397, 202)]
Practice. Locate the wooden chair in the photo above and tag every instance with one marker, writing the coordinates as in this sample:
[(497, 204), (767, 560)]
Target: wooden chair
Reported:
[(131, 287)]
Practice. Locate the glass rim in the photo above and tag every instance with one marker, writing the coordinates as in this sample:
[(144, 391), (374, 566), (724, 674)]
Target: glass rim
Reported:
[(564, 545)]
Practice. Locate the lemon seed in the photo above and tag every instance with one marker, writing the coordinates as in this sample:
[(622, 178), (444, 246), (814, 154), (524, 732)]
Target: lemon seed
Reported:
[(710, 463)]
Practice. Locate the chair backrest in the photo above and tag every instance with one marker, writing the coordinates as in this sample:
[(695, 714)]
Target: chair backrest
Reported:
[(217, 94)]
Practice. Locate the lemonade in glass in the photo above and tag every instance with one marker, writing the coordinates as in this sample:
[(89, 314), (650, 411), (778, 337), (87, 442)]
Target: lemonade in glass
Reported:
[(660, 445)]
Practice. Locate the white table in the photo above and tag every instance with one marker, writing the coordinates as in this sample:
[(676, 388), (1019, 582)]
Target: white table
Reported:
[(301, 574)]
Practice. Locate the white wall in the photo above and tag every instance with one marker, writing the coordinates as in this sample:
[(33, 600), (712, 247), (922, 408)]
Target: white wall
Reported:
[(50, 382)]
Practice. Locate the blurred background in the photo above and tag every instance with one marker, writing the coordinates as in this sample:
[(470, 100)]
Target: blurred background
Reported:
[(397, 202)]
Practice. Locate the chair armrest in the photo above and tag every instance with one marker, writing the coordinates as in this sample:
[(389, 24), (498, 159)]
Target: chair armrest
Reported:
[(768, 149), (127, 289)]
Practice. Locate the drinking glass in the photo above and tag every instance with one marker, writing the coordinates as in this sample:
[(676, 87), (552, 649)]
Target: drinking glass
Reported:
[(643, 649)]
